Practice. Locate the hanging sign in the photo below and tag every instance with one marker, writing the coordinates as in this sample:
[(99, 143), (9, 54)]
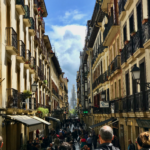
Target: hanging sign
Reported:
[(104, 104)]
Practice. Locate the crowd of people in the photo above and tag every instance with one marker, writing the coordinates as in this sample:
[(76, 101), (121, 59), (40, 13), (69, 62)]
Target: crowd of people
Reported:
[(74, 131)]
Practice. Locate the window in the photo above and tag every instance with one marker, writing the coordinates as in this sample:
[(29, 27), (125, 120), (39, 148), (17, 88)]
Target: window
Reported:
[(115, 90), (120, 88), (118, 46), (127, 84), (131, 23), (125, 33), (139, 15)]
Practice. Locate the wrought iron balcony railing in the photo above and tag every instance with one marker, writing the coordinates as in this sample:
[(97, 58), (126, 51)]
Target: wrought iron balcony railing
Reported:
[(55, 93), (11, 37), (12, 98), (121, 5), (27, 57), (20, 2), (136, 42), (32, 23), (117, 62), (27, 12), (111, 22), (60, 97), (21, 49), (36, 3), (33, 63)]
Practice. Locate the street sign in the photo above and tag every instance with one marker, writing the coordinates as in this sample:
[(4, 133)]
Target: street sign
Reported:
[(104, 104)]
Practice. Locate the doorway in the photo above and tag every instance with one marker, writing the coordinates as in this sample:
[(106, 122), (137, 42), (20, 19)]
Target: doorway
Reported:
[(122, 142)]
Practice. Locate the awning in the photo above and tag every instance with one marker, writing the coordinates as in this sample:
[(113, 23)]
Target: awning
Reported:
[(24, 119), (54, 119), (41, 120), (101, 123)]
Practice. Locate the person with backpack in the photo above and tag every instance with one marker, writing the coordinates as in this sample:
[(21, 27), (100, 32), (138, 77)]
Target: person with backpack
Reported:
[(106, 136)]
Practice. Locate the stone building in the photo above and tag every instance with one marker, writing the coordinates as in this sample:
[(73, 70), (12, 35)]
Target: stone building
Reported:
[(117, 38), (26, 57)]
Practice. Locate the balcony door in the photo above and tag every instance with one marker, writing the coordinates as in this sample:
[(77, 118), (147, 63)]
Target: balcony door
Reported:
[(148, 3), (139, 15), (127, 85)]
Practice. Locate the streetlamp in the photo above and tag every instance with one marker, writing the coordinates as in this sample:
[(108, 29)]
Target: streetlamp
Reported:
[(34, 87), (136, 75), (136, 72)]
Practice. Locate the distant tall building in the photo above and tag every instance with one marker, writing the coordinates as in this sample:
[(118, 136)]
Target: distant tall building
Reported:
[(73, 100)]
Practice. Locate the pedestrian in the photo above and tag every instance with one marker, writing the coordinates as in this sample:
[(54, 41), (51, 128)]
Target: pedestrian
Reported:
[(89, 142), (37, 133), (82, 141), (131, 146), (51, 146), (1, 142), (95, 140), (56, 142), (143, 141), (105, 137)]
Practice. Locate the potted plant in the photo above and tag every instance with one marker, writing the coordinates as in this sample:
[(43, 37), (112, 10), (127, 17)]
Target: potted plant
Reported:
[(144, 21), (133, 33), (27, 94), (44, 111), (45, 81)]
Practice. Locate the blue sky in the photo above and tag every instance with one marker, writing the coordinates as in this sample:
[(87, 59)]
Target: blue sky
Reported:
[(66, 27)]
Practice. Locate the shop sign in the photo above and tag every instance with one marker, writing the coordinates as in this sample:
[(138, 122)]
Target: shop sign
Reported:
[(104, 104)]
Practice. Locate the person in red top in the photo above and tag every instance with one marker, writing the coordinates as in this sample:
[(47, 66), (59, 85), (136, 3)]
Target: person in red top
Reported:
[(37, 133), (82, 141)]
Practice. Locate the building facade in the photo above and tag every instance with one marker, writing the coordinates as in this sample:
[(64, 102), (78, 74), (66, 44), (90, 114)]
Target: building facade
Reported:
[(117, 39), (26, 56)]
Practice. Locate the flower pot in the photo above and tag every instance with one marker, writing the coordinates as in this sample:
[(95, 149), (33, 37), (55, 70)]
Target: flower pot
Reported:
[(133, 33), (126, 42), (38, 111), (144, 21)]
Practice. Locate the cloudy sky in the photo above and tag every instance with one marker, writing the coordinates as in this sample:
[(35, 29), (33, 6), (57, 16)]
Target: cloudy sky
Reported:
[(66, 27)]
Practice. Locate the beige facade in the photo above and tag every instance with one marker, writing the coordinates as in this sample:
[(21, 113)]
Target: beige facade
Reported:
[(118, 36), (26, 57)]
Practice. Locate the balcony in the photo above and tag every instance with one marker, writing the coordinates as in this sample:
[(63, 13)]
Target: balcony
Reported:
[(122, 11), (111, 29), (27, 59), (43, 26), (37, 38), (12, 98), (101, 110), (20, 7), (105, 76), (100, 50), (55, 93), (104, 5), (31, 28), (41, 45), (40, 17), (60, 97), (32, 65), (36, 5), (11, 41), (21, 55), (26, 17)]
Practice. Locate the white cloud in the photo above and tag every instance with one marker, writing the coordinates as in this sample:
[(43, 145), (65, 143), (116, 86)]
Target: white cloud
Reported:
[(70, 16), (68, 41)]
